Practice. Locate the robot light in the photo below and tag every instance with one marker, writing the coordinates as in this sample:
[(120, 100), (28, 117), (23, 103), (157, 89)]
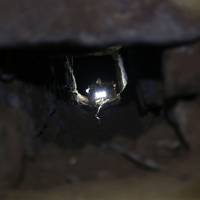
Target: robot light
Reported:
[(100, 94)]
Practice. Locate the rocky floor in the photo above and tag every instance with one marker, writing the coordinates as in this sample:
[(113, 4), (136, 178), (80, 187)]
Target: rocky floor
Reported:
[(92, 171)]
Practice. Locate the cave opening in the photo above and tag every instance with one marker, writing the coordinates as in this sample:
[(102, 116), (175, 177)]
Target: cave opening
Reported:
[(61, 139)]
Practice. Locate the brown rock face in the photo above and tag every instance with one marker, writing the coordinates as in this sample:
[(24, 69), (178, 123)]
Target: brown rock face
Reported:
[(13, 129), (92, 23), (182, 71)]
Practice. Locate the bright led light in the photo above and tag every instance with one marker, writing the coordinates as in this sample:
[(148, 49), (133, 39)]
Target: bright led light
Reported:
[(87, 90), (100, 94)]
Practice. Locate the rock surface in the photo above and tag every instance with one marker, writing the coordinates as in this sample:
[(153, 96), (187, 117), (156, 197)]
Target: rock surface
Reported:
[(182, 71), (92, 23), (14, 127)]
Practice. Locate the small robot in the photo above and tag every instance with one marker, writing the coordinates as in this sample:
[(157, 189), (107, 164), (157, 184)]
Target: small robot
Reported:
[(99, 94)]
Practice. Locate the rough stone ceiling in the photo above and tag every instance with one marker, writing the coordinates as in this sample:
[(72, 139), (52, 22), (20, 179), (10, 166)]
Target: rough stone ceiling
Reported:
[(93, 22)]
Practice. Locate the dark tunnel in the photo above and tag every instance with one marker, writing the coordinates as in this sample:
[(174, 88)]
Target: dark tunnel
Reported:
[(62, 142)]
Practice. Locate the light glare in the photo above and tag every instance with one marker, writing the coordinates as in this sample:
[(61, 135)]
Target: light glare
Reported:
[(87, 90), (100, 94)]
